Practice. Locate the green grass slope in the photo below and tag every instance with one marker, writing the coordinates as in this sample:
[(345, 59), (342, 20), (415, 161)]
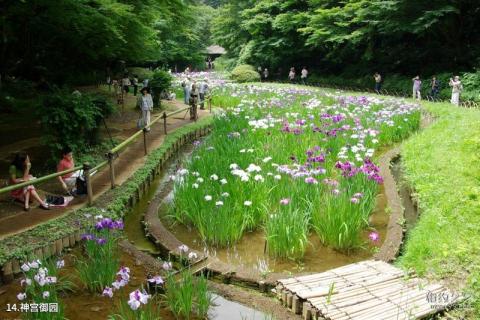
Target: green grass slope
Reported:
[(442, 164)]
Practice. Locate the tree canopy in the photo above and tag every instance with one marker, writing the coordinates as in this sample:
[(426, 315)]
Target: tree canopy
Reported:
[(60, 39), (353, 35)]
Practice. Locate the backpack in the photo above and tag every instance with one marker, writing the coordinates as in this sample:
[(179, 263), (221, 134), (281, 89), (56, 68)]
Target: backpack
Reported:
[(81, 185)]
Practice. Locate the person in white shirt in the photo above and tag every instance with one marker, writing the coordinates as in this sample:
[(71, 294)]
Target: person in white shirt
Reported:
[(202, 91), (145, 103), (304, 75), (291, 74), (457, 88), (126, 84), (265, 74)]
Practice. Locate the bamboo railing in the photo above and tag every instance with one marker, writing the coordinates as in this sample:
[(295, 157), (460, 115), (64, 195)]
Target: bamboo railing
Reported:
[(110, 156)]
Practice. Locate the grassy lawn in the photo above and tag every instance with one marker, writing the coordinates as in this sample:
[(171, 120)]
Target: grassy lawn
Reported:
[(443, 166)]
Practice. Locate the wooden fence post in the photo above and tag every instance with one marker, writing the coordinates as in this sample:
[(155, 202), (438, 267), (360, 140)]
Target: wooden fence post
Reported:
[(112, 169), (145, 140), (88, 180), (164, 116), (210, 103)]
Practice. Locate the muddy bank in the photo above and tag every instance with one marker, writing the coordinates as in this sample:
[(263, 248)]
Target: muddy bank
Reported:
[(254, 269)]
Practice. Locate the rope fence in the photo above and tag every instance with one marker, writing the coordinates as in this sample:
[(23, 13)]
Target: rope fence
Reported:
[(111, 155)]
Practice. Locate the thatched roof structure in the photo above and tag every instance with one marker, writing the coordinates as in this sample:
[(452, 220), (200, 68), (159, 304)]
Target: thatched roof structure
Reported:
[(216, 50)]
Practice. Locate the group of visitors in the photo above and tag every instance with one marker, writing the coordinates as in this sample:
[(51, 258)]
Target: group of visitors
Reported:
[(121, 87), (19, 172), (303, 75), (192, 92), (455, 83), (264, 74)]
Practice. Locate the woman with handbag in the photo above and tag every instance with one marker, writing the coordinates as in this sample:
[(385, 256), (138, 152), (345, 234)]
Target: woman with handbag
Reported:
[(20, 172), (145, 103)]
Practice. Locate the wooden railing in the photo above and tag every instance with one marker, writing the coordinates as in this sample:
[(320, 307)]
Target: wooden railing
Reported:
[(110, 156)]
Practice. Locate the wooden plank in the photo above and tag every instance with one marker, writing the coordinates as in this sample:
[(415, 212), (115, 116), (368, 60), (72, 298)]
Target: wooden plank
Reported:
[(296, 305), (289, 300), (307, 311)]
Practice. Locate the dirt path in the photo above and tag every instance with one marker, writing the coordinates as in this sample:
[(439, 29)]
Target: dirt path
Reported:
[(14, 220)]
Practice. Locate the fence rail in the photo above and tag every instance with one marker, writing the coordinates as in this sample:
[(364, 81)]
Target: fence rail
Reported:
[(111, 155)]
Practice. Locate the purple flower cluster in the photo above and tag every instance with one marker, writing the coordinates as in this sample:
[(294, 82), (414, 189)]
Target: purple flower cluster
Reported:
[(123, 277), (312, 157), (107, 223), (368, 168), (372, 171)]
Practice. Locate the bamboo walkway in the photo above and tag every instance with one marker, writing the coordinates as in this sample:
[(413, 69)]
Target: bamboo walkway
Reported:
[(368, 290)]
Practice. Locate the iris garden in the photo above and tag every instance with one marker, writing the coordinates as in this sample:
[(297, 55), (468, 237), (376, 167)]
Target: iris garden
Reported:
[(290, 161)]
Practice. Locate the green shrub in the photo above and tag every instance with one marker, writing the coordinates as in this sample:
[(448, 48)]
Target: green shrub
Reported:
[(245, 73), (471, 86), (161, 81), (224, 64), (72, 119), (141, 73)]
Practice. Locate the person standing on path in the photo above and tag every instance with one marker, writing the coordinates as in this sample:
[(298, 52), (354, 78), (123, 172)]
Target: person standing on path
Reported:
[(291, 74), (457, 88), (193, 101), (145, 103), (265, 74), (417, 86), (304, 75), (435, 84), (126, 84), (378, 82), (186, 84), (202, 92), (135, 85)]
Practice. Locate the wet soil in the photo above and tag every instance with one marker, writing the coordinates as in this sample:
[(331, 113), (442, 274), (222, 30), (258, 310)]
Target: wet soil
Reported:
[(79, 304), (249, 252), (410, 209)]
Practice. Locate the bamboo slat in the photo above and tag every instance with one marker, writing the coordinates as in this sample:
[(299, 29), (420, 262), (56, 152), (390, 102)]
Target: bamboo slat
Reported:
[(360, 291)]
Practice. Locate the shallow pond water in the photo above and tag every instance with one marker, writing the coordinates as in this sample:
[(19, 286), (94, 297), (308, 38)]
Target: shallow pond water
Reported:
[(249, 252), (226, 309)]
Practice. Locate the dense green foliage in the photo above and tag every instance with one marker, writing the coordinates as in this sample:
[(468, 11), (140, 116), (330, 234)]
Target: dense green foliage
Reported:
[(72, 119), (78, 40), (245, 73), (445, 241), (161, 81), (354, 37), (402, 85)]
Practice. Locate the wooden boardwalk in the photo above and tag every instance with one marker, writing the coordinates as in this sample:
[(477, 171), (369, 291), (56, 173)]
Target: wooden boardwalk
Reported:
[(368, 290)]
